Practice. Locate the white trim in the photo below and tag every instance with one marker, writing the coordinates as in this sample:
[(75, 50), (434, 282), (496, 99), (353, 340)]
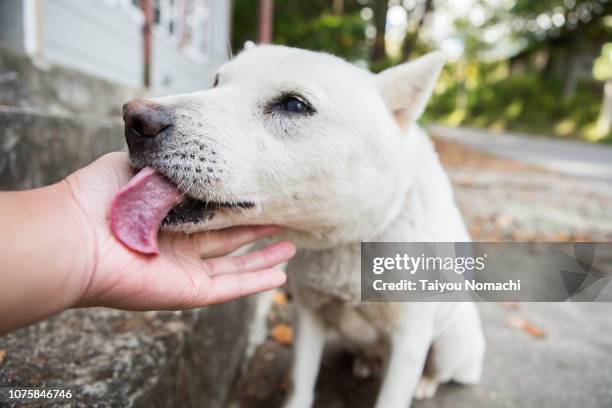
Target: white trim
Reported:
[(134, 12), (188, 50), (30, 27)]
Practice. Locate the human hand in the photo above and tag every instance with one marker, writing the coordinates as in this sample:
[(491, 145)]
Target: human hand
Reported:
[(190, 271)]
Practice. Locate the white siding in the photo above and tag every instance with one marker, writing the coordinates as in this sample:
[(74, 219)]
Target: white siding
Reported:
[(104, 39), (221, 26), (11, 24), (94, 37)]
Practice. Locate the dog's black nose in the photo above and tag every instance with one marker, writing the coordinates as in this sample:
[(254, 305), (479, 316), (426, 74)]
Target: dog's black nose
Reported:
[(144, 119)]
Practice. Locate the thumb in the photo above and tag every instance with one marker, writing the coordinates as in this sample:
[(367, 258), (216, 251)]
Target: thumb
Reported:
[(95, 185)]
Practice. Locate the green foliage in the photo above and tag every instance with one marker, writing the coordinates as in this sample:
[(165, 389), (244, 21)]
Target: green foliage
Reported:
[(472, 92), (244, 23), (602, 69), (517, 102), (526, 7), (306, 24), (342, 35)]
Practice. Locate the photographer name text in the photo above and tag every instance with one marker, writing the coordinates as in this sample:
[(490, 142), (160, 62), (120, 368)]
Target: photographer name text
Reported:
[(443, 287), (410, 265)]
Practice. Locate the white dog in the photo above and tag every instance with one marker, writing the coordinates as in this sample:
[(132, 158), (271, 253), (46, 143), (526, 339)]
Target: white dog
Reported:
[(332, 152)]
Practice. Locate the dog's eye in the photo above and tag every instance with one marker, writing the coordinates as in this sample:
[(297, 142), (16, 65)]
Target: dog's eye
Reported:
[(216, 81), (294, 104), (290, 104)]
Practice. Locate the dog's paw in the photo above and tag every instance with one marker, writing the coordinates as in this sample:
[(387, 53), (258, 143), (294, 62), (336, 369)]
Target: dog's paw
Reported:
[(426, 388)]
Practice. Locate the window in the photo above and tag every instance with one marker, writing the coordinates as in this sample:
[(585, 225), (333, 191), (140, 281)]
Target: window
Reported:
[(198, 25), (168, 18), (186, 24)]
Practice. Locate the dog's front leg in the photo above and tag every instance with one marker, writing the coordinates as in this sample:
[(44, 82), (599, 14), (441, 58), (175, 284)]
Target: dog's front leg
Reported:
[(307, 350), (405, 365)]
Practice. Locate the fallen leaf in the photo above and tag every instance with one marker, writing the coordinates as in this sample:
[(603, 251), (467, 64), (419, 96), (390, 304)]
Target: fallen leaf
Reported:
[(2, 355), (510, 305), (524, 325), (561, 237), (535, 331), (280, 298), (282, 334)]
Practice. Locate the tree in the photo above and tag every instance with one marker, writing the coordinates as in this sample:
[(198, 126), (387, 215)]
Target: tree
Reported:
[(568, 33), (379, 49), (338, 7), (602, 70), (307, 24), (411, 38)]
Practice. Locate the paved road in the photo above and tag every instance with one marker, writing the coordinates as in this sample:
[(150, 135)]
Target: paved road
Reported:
[(568, 367), (573, 158)]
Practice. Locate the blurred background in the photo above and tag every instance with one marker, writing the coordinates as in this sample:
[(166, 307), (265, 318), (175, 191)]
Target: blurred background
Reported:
[(521, 119), (541, 67), (534, 66)]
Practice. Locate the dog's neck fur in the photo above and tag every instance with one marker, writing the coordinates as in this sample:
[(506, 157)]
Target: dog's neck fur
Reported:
[(427, 213)]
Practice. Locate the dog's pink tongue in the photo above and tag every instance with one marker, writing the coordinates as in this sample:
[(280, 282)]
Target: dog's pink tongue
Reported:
[(139, 208)]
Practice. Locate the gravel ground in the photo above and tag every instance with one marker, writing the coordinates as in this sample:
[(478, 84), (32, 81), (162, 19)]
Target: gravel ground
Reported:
[(557, 355), (503, 200)]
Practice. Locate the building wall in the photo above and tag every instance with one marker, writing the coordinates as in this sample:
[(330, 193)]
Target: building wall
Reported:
[(11, 24), (94, 37), (104, 38)]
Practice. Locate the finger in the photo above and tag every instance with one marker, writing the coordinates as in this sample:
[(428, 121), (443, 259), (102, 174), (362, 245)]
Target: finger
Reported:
[(266, 257), (225, 241), (229, 287), (211, 244), (116, 167)]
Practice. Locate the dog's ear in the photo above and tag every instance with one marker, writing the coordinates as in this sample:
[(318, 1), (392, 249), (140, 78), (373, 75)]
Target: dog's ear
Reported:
[(406, 88)]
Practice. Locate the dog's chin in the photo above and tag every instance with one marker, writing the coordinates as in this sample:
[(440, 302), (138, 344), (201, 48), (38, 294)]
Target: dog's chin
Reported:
[(194, 215)]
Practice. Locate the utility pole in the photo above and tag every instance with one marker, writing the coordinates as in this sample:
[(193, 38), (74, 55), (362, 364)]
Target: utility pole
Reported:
[(147, 37), (266, 21)]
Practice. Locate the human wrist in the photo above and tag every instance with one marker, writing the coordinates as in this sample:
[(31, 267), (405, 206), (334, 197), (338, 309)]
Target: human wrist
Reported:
[(79, 234)]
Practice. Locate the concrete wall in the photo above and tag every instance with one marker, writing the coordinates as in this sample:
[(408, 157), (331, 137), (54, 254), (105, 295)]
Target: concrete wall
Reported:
[(57, 90)]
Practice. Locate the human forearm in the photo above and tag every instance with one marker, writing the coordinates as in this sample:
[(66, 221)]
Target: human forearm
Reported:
[(44, 253)]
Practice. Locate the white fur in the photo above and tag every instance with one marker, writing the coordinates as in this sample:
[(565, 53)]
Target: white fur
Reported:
[(359, 169)]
